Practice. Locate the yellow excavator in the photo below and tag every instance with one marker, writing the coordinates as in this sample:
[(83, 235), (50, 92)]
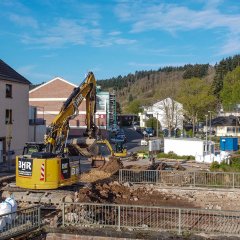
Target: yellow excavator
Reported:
[(49, 165), (104, 152)]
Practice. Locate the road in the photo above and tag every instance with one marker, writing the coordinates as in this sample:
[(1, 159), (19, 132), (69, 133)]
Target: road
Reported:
[(133, 140)]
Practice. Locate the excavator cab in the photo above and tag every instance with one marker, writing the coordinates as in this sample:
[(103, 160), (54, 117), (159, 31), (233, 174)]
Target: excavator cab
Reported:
[(105, 153), (31, 147), (120, 150)]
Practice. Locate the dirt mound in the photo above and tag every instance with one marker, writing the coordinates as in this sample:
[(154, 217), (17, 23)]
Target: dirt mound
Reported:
[(112, 166), (106, 171), (94, 175)]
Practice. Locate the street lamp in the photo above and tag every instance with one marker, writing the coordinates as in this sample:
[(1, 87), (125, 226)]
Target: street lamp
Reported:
[(210, 124), (206, 132)]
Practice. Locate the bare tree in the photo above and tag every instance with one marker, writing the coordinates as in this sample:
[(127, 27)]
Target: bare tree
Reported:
[(170, 112)]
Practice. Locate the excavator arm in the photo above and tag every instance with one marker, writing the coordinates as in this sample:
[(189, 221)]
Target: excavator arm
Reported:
[(57, 135)]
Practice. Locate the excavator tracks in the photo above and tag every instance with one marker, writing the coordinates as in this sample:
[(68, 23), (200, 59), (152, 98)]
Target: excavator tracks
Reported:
[(51, 199)]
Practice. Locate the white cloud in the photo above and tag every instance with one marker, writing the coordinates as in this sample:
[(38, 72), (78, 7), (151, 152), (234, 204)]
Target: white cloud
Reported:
[(123, 41), (114, 33), (63, 32), (232, 45), (25, 21), (175, 18)]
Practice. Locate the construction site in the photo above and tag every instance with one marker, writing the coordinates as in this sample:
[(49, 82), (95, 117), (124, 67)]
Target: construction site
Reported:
[(91, 186)]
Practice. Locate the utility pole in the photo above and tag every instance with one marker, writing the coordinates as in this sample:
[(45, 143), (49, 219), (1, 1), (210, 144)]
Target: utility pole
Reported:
[(157, 125), (210, 124), (206, 134)]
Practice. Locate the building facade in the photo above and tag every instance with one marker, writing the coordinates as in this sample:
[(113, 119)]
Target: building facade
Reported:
[(49, 97), (14, 121), (224, 126), (168, 112)]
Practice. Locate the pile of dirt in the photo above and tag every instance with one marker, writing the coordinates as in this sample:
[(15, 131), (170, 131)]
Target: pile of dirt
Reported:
[(112, 166), (106, 171), (94, 175)]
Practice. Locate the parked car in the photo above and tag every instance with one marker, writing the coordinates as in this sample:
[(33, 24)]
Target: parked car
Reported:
[(149, 131)]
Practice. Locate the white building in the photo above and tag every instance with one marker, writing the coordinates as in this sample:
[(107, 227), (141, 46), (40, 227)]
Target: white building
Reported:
[(168, 112), (188, 146)]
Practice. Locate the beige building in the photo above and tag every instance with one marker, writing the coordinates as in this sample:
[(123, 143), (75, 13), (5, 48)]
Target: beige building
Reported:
[(13, 111), (223, 126)]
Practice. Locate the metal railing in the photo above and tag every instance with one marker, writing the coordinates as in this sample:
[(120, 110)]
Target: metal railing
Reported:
[(154, 218), (19, 222), (181, 178)]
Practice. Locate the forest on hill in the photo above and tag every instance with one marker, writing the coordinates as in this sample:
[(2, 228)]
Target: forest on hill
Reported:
[(147, 87)]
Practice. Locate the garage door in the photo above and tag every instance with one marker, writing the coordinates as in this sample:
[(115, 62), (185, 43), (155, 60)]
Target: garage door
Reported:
[(1, 151)]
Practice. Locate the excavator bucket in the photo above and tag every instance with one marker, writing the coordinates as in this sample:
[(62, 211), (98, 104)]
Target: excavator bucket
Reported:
[(102, 154), (83, 146)]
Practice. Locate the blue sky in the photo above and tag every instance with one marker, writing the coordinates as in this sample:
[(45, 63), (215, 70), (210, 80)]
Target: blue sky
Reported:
[(43, 39)]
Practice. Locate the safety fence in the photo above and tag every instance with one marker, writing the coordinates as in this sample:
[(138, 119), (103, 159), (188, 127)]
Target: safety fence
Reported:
[(181, 178), (19, 222), (154, 218)]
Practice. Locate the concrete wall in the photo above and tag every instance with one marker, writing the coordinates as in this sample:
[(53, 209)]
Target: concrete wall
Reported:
[(19, 105), (183, 146)]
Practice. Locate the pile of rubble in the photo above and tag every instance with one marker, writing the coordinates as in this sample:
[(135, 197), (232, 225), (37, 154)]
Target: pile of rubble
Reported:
[(114, 192), (165, 166)]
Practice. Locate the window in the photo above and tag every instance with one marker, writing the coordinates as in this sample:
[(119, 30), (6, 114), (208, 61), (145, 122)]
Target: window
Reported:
[(8, 90), (8, 117)]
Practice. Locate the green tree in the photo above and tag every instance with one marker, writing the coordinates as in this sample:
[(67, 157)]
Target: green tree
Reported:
[(230, 94), (195, 96), (153, 123), (134, 107)]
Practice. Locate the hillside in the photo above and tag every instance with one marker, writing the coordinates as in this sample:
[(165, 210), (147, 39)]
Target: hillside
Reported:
[(150, 86), (153, 85)]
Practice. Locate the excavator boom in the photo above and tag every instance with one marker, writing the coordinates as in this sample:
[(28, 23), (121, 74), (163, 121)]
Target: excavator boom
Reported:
[(58, 129)]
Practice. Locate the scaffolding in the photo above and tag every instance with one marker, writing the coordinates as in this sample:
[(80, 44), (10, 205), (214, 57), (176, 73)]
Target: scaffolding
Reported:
[(112, 109)]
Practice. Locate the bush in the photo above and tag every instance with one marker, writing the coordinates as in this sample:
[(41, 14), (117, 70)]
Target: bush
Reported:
[(234, 166), (214, 166), (173, 155), (190, 133)]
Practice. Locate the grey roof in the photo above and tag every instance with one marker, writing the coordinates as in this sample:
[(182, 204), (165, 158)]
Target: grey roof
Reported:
[(225, 121), (9, 74)]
